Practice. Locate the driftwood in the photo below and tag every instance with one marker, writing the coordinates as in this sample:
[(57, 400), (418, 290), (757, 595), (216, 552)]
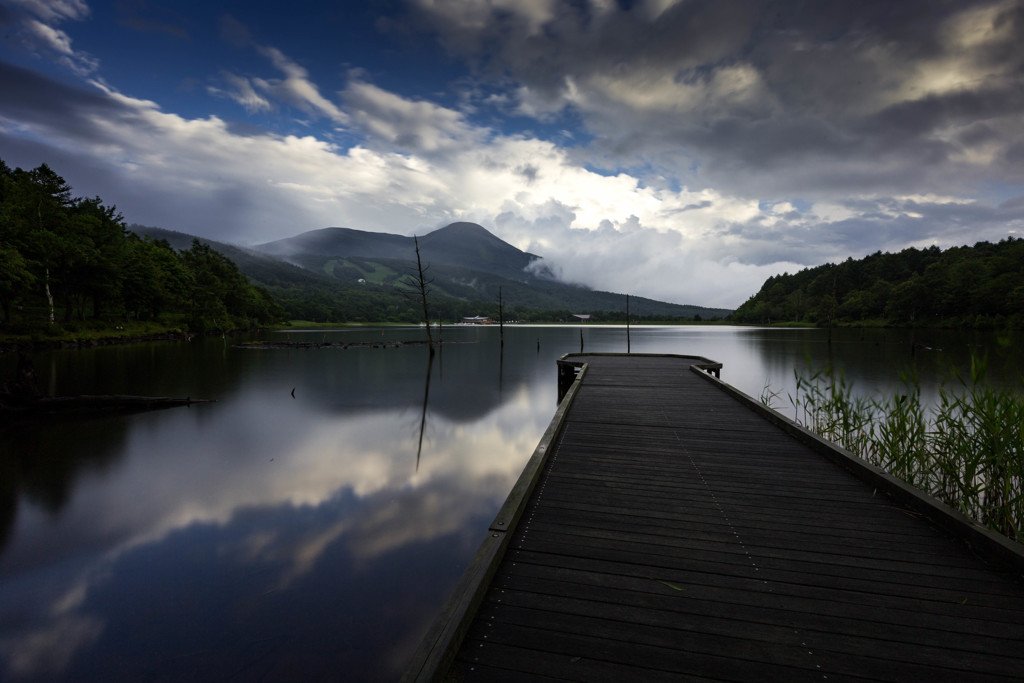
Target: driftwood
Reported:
[(31, 406), (20, 397)]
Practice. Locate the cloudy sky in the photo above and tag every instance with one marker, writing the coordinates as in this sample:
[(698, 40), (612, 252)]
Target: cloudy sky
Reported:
[(678, 149)]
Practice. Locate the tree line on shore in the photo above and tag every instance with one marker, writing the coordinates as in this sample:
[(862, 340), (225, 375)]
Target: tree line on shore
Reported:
[(70, 260), (368, 303), (980, 286)]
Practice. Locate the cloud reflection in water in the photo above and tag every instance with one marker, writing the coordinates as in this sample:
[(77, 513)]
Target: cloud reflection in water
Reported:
[(220, 512)]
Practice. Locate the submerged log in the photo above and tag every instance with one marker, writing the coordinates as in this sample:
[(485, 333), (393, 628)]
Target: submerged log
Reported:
[(28, 406)]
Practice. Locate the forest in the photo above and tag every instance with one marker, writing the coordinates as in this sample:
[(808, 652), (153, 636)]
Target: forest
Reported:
[(68, 262), (980, 286)]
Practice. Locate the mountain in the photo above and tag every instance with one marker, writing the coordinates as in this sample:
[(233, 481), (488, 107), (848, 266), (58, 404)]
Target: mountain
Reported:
[(343, 242), (471, 245), (465, 245), (345, 274)]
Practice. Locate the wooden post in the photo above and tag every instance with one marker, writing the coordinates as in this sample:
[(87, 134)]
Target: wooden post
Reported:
[(422, 285), (501, 320), (627, 323)]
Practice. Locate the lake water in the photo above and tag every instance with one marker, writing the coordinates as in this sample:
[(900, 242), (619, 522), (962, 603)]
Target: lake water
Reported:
[(272, 536)]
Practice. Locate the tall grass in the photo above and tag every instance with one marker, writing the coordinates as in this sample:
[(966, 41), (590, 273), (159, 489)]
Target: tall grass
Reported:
[(967, 450)]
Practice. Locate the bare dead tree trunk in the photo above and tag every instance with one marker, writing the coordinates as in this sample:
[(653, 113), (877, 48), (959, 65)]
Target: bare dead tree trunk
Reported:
[(49, 296), (422, 285)]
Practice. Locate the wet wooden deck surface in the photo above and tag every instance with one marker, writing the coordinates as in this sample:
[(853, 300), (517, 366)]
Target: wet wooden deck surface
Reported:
[(676, 534)]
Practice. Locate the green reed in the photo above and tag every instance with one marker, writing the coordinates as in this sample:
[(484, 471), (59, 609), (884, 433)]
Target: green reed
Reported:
[(967, 450)]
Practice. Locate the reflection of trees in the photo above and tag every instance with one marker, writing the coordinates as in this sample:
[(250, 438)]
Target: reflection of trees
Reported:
[(43, 461), (8, 498)]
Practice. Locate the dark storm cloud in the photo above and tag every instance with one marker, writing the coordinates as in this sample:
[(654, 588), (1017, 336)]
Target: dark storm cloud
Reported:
[(158, 168), (66, 109), (770, 97)]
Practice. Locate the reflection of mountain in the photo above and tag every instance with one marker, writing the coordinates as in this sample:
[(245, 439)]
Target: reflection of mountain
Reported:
[(9, 481), (464, 386)]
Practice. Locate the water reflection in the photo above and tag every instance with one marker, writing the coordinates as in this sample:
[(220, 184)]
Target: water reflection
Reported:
[(293, 536), (225, 528), (38, 470), (423, 414)]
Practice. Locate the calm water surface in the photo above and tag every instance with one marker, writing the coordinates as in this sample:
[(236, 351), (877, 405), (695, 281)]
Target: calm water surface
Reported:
[(314, 537)]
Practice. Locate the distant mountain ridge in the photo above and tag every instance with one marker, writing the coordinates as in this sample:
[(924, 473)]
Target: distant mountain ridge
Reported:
[(461, 244), (346, 274)]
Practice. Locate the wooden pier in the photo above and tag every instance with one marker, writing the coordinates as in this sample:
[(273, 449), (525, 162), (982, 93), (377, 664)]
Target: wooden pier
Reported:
[(670, 528)]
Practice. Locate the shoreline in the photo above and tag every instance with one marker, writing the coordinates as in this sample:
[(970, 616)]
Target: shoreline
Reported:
[(24, 344), (30, 345)]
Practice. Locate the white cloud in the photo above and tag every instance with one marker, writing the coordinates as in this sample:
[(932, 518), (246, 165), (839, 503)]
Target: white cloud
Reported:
[(415, 126), (666, 91), (54, 39), (241, 91), (296, 88), (42, 36)]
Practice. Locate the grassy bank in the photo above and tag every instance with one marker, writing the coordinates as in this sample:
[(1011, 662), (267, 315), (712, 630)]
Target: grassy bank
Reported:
[(44, 333), (967, 451)]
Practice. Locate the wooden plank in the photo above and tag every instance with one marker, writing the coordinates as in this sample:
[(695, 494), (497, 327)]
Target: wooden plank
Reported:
[(767, 561), (954, 618), (854, 590), (766, 609), (522, 664), (795, 655), (707, 526)]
